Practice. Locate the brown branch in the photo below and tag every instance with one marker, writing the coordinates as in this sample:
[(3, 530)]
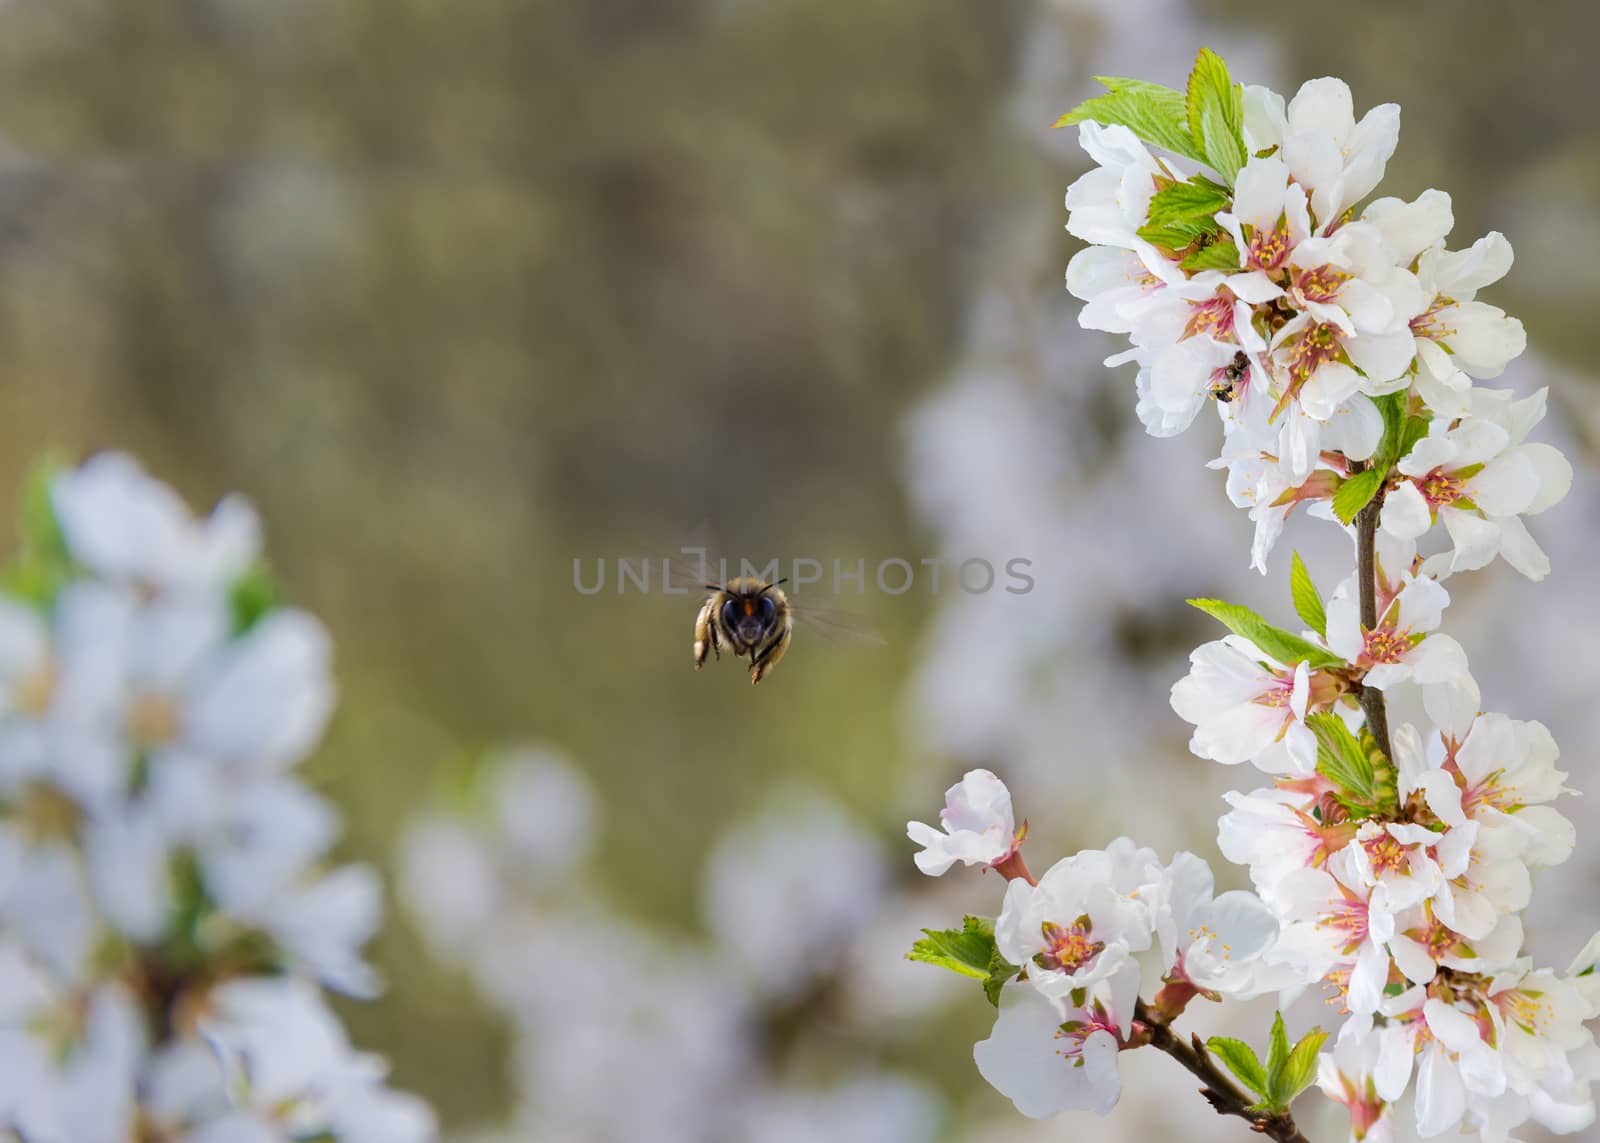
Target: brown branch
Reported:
[(1372, 703), (1219, 1091)]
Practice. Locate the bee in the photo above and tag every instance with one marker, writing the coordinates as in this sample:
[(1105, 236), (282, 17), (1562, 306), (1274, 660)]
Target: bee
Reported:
[(749, 617), (1225, 385)]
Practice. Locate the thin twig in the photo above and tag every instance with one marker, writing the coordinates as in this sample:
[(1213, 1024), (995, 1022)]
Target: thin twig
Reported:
[(1220, 1091), (1367, 576)]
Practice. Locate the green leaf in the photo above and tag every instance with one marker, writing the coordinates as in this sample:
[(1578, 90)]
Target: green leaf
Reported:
[(1413, 431), (1307, 600), (1280, 644), (969, 951), (1223, 255), (1342, 761), (43, 564), (1214, 109), (1299, 1070), (1188, 202), (252, 595), (1241, 1060), (1357, 492), (1279, 1053), (1179, 235), (1154, 113)]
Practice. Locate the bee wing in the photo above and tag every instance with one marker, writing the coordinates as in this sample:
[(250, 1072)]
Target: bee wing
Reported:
[(835, 626)]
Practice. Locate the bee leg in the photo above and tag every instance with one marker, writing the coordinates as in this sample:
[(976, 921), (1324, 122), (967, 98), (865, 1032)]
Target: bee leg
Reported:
[(705, 636), (759, 666)]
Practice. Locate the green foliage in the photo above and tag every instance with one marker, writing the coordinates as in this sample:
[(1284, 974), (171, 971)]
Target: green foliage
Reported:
[(252, 595), (1240, 1059), (1223, 255), (1288, 1071), (1307, 600), (43, 564), (1188, 202), (1280, 644), (1357, 492), (969, 951), (1215, 110), (1154, 113), (1291, 1070), (1362, 777)]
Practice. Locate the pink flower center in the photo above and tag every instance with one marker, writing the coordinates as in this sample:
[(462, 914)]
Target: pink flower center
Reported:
[(1314, 349), (1430, 324), (1387, 855), (1321, 284), (1386, 644), (1268, 248), (1279, 696), (1213, 317), (1439, 488), (1068, 948), (1072, 1035)]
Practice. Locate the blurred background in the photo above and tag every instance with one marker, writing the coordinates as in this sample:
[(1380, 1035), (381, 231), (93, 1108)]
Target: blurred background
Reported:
[(461, 292)]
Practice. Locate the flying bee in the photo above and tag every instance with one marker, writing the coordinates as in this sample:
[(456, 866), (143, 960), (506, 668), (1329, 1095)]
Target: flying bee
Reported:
[(1226, 381), (746, 612), (749, 617)]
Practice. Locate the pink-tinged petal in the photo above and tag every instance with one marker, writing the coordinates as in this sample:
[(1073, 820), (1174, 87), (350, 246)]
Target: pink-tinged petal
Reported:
[(1328, 388), (1476, 540), (1264, 117), (1355, 429), (1405, 513), (1437, 659), (1325, 105), (1021, 1060), (1505, 486), (1422, 603), (1520, 550), (1410, 228), (1428, 454), (1461, 274), (1484, 339), (1413, 960), (1441, 1098), (1239, 734), (1552, 835), (1258, 192), (1555, 476), (1344, 628), (1382, 356)]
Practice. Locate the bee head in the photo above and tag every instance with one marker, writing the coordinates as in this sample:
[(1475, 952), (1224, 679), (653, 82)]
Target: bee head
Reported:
[(750, 613)]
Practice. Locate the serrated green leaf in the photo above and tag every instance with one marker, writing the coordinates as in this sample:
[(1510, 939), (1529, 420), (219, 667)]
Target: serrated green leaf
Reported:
[(967, 950), (1307, 600), (1299, 1070), (1214, 109), (1357, 492), (1179, 235), (1278, 1054), (1001, 973), (1280, 644), (1222, 255), (1187, 202), (1152, 112), (1342, 761), (1241, 1060)]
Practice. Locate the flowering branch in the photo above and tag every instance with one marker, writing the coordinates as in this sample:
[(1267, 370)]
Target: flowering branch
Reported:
[(1338, 345), (1219, 1091)]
